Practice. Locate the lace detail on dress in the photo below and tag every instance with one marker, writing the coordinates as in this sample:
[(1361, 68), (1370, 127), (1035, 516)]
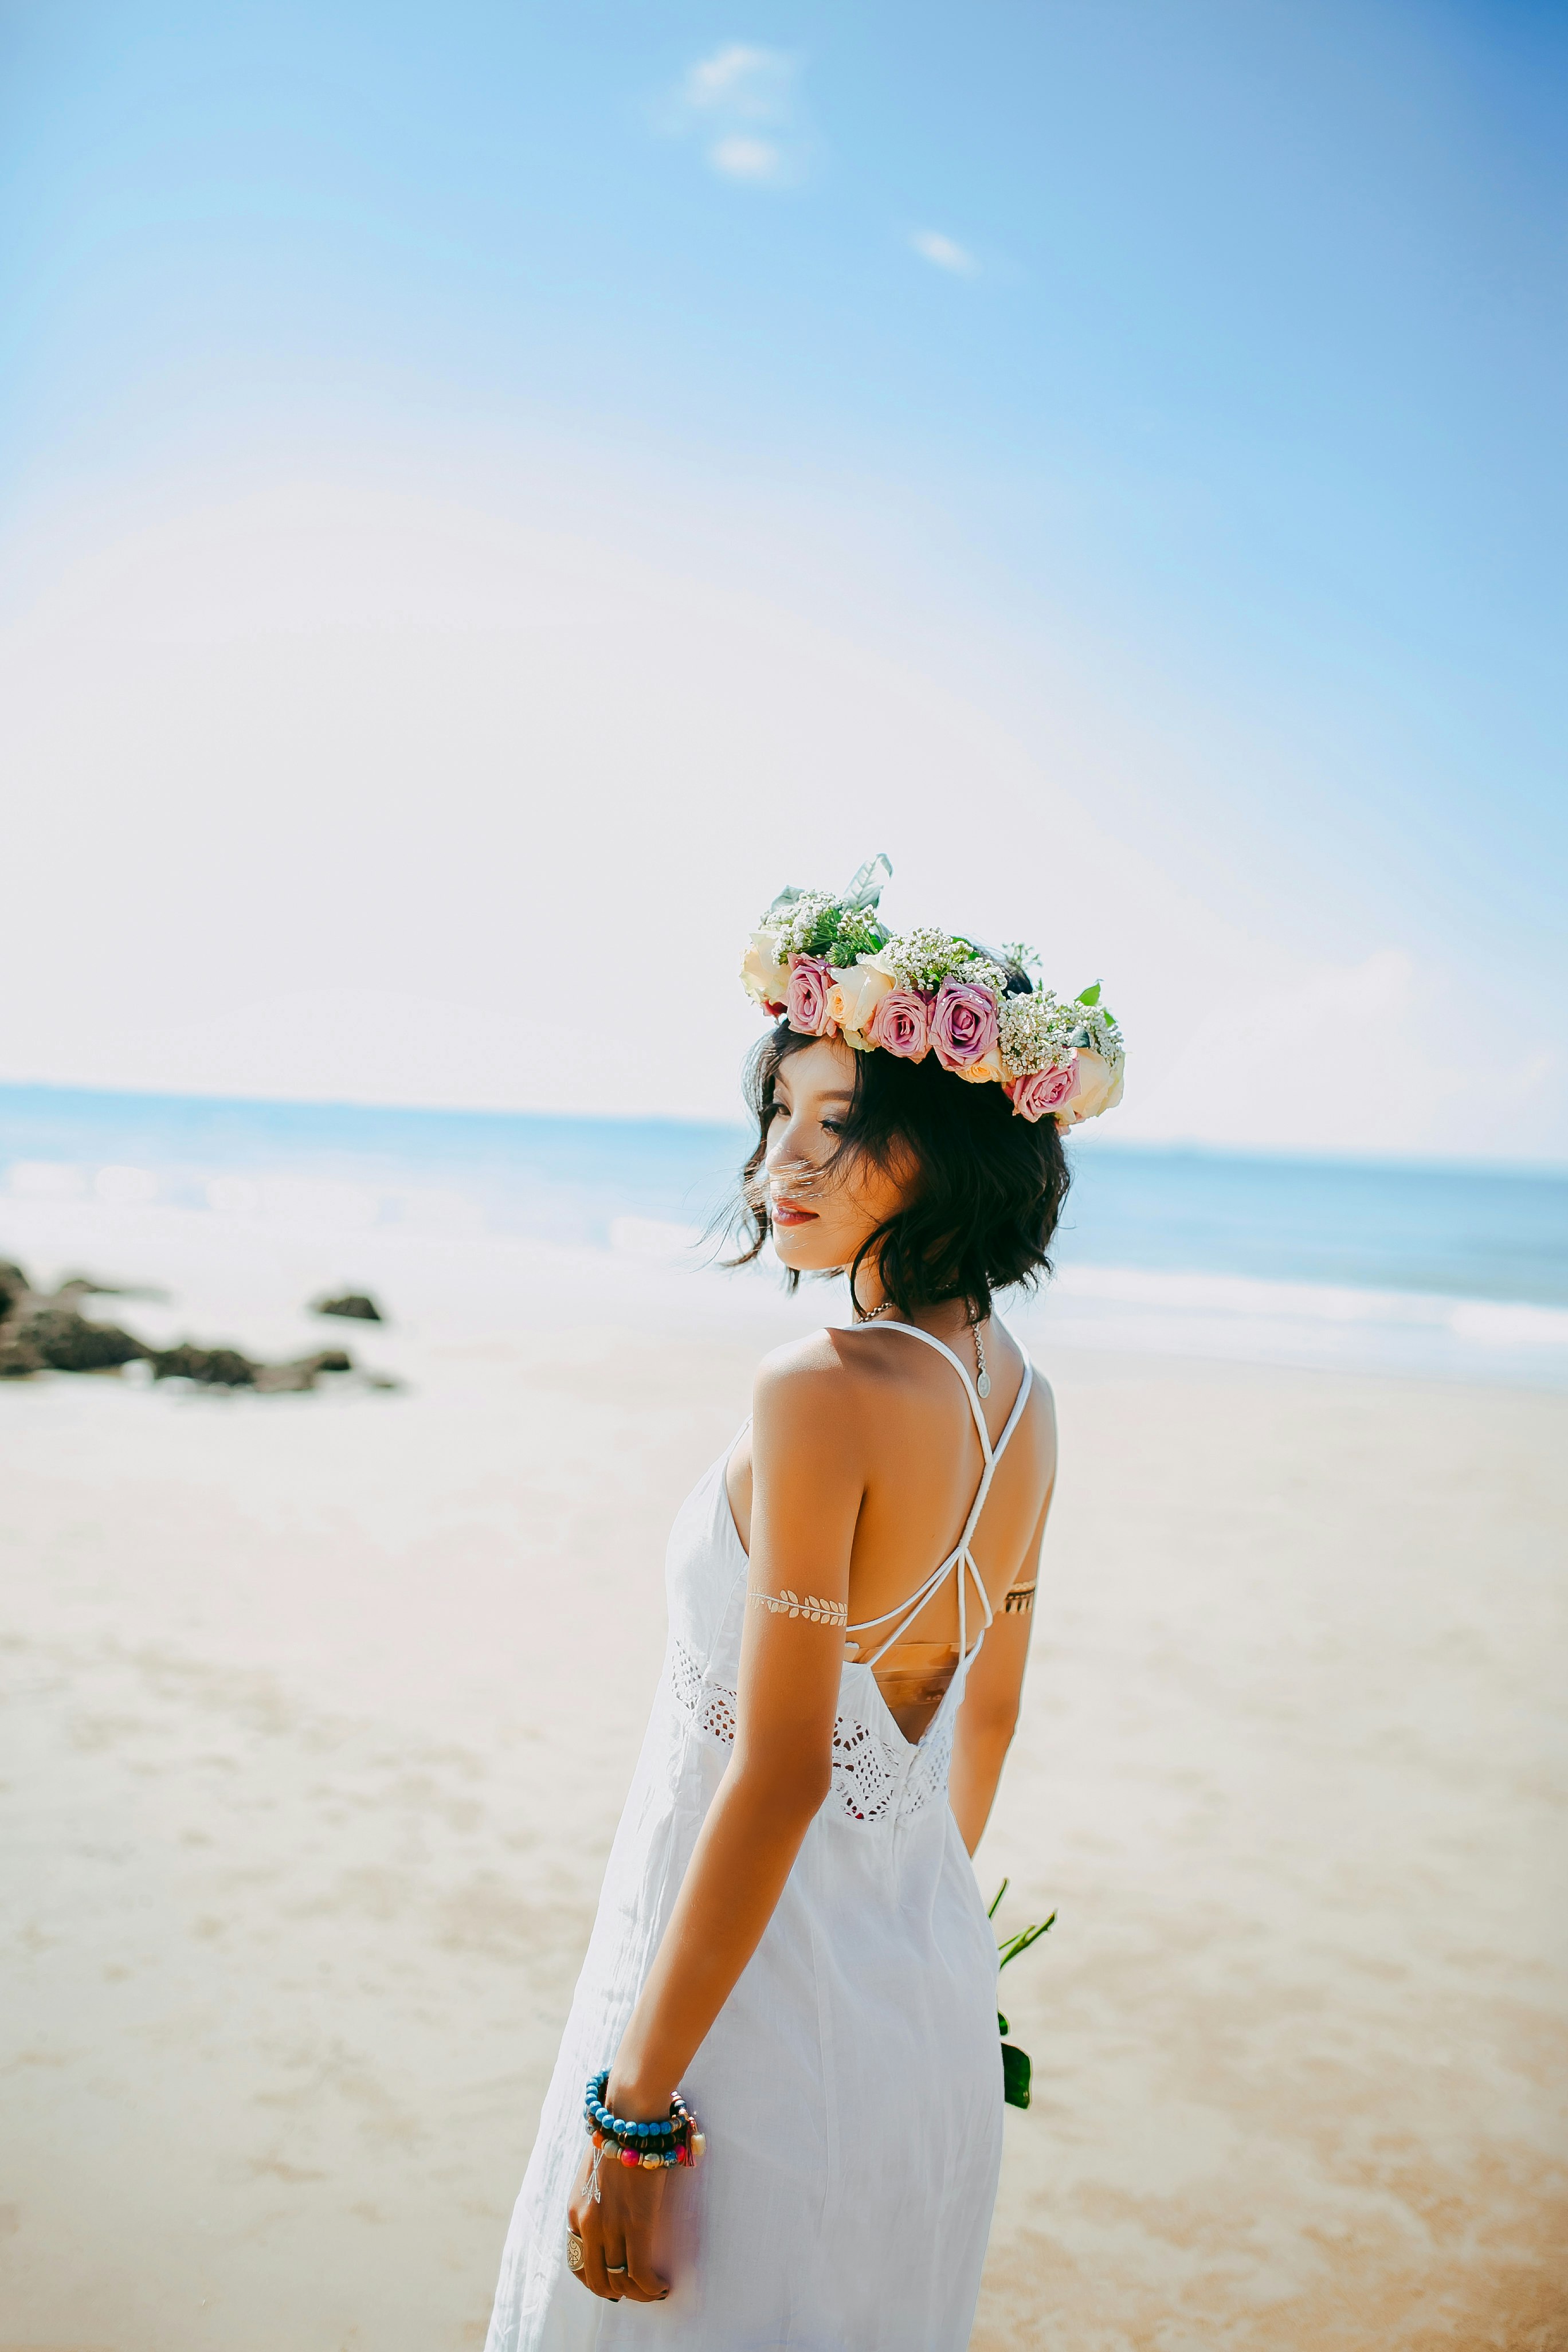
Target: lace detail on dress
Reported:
[(866, 1775), (928, 1773), (710, 1707), (864, 1770)]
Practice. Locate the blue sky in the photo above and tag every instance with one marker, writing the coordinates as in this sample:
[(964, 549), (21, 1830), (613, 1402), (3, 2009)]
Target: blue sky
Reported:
[(1196, 365)]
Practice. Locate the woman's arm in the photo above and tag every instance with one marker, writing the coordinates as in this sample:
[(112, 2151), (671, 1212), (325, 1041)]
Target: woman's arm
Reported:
[(988, 1717), (807, 1484)]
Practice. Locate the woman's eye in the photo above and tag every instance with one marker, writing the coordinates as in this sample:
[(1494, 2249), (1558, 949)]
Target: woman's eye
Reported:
[(832, 1127)]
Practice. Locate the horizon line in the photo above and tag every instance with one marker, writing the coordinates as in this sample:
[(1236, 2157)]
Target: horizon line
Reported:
[(1413, 1163)]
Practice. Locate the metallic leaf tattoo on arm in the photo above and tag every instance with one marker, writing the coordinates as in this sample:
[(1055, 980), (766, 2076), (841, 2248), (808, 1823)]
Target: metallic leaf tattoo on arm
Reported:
[(790, 1604)]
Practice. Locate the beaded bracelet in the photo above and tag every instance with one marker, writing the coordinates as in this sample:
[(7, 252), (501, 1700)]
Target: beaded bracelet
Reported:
[(676, 2140)]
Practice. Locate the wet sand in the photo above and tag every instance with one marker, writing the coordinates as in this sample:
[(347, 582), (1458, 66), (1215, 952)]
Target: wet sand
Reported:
[(319, 1711)]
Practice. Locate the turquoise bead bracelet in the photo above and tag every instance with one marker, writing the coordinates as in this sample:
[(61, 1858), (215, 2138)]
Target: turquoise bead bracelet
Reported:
[(650, 2144)]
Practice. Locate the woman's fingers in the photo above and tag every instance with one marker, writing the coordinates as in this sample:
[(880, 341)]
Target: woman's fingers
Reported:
[(630, 2271), (595, 2276), (644, 2284), (616, 2231)]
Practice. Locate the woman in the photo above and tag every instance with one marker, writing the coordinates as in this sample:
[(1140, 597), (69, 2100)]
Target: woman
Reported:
[(791, 1957)]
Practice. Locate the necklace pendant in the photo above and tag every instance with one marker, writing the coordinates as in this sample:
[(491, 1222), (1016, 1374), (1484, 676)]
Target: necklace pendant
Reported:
[(982, 1385)]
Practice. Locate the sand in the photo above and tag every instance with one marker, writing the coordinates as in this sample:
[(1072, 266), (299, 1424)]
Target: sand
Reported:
[(318, 1712)]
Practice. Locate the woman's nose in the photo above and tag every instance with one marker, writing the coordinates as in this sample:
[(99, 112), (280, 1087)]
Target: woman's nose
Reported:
[(783, 1151)]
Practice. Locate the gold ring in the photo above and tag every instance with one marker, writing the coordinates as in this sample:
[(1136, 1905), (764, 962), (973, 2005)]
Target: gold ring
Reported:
[(573, 2250)]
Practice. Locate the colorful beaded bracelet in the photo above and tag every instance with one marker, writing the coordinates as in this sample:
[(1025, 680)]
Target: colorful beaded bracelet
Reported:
[(649, 2145)]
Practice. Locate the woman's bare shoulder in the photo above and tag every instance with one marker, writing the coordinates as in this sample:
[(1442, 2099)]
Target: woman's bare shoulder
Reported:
[(809, 1409), (821, 1377)]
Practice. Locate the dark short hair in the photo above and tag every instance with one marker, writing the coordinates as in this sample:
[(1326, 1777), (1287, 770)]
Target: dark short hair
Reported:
[(989, 1185)]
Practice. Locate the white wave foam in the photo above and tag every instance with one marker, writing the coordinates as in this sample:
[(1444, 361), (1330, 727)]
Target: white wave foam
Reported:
[(1244, 1317), (1487, 1321)]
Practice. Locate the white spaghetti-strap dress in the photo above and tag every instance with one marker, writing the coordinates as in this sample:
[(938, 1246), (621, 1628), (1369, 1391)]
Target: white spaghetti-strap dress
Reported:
[(850, 2087)]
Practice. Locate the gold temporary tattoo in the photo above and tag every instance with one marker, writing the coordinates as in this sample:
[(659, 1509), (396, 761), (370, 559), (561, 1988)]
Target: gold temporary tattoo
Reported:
[(1021, 1598), (790, 1604)]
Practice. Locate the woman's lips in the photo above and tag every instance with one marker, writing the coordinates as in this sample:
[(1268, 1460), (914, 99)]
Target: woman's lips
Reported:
[(787, 1211)]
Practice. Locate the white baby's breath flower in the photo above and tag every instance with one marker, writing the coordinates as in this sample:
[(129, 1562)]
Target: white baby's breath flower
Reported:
[(799, 923), (924, 958), (819, 923), (1096, 1029), (1035, 1032)]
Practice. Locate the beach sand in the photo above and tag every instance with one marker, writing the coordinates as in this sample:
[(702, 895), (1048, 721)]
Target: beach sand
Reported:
[(320, 1710)]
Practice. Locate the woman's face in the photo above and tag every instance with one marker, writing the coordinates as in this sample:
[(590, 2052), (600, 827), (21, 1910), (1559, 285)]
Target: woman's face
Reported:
[(820, 1218)]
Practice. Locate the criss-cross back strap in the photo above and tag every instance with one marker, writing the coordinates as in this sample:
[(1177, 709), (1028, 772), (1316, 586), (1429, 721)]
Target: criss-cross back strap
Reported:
[(961, 1558)]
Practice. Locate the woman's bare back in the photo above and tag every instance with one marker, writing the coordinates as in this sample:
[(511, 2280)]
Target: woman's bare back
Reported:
[(922, 1464)]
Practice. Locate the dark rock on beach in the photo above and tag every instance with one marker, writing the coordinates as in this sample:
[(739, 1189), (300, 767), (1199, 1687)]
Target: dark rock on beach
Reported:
[(213, 1368), (285, 1379), (353, 1304), (46, 1332), (225, 1368), (68, 1342), (18, 1357)]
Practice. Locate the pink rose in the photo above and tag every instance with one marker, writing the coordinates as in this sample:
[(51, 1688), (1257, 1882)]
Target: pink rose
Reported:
[(809, 981), (1043, 1090), (963, 1023), (900, 1023)]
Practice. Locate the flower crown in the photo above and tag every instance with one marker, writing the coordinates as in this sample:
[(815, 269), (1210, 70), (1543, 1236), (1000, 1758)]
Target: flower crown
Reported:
[(833, 969)]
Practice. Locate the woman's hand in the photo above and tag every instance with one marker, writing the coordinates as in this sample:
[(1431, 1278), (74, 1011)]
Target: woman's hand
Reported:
[(617, 2228)]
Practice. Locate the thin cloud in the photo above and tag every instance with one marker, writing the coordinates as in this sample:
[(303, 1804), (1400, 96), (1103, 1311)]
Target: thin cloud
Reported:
[(739, 80), (741, 103), (943, 253), (740, 158)]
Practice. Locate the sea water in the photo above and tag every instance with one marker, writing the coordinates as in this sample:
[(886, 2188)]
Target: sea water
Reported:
[(1382, 1266)]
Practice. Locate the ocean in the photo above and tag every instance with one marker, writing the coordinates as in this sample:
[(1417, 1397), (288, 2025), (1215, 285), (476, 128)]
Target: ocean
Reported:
[(1430, 1270)]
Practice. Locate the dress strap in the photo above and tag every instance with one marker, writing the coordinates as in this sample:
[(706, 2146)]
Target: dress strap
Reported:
[(961, 1558), (960, 1367)]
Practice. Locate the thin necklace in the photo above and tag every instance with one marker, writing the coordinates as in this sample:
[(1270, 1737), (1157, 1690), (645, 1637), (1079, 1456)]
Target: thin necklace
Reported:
[(982, 1377)]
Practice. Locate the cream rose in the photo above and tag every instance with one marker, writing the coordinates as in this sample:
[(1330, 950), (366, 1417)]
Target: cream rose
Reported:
[(989, 1065), (856, 994), (1097, 1087), (763, 974)]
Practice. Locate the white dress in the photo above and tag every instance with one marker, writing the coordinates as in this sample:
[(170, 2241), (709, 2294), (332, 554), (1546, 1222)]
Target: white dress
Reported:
[(850, 2087)]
